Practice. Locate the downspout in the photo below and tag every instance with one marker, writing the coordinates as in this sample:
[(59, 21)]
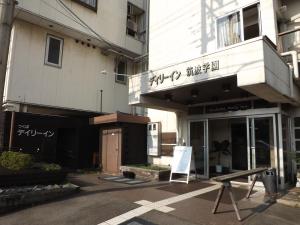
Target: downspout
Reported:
[(295, 62), (11, 133)]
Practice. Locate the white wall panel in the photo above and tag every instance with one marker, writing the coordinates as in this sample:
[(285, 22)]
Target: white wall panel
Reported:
[(76, 85)]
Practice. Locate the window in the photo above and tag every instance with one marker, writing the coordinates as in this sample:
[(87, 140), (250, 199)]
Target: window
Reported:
[(135, 22), (54, 49), (91, 4), (239, 26), (121, 71), (297, 141), (229, 30)]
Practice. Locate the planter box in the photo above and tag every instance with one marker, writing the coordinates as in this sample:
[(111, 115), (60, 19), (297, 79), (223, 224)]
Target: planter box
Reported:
[(16, 199), (298, 179), (148, 174), (30, 177)]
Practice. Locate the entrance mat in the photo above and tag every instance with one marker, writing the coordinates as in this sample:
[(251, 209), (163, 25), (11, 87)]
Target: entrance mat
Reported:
[(181, 188), (238, 193), (124, 180), (137, 221)]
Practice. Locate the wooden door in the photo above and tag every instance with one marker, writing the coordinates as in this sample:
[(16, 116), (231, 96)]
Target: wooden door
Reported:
[(111, 150)]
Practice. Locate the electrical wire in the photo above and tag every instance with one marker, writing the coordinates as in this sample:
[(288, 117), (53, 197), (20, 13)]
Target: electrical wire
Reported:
[(85, 25), (69, 17)]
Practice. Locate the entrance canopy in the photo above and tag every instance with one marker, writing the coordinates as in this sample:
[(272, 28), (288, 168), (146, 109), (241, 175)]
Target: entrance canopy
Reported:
[(119, 117), (247, 69)]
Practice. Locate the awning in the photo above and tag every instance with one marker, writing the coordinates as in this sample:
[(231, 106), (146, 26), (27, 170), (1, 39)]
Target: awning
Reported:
[(119, 117)]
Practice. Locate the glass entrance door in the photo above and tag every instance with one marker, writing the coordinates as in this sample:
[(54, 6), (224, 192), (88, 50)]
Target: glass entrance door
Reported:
[(261, 142), (199, 143)]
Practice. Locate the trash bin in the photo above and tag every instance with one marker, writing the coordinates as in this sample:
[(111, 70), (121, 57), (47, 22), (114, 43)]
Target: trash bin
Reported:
[(269, 179)]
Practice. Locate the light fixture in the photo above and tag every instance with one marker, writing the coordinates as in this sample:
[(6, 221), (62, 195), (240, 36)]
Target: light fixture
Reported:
[(168, 97), (189, 102), (214, 98), (103, 72), (194, 93), (226, 87)]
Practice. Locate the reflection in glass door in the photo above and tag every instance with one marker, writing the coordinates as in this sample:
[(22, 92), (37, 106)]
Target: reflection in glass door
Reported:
[(262, 145), (199, 140)]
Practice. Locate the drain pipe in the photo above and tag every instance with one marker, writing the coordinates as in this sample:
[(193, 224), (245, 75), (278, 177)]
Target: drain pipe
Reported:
[(295, 62)]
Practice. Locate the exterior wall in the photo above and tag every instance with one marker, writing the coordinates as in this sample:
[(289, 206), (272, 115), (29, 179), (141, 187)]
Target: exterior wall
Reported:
[(76, 85), (183, 34), (291, 41), (111, 15), (190, 25)]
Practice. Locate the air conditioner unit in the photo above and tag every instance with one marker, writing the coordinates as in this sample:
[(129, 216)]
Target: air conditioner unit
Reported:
[(153, 139), (132, 25)]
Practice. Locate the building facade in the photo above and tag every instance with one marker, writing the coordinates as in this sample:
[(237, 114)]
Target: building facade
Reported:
[(224, 78), (65, 65)]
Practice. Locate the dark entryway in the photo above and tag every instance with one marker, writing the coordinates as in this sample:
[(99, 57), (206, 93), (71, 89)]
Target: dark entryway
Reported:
[(123, 140), (239, 144)]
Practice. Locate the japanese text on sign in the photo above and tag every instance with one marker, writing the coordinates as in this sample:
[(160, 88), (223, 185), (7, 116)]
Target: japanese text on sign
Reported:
[(24, 130), (190, 71)]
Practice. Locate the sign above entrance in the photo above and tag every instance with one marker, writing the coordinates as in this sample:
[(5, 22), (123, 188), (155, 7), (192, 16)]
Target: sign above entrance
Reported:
[(228, 107), (189, 71)]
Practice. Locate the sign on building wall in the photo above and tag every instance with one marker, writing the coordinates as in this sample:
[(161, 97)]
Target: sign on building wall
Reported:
[(235, 106), (36, 135), (190, 71)]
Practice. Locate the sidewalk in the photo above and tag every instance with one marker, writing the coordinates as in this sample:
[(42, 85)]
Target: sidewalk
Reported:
[(155, 203), (292, 198)]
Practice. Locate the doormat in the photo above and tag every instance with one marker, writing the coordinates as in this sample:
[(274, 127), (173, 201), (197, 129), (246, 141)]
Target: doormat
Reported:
[(137, 221), (238, 193), (121, 179)]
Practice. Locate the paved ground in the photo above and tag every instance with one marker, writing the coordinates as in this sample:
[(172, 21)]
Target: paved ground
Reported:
[(103, 202)]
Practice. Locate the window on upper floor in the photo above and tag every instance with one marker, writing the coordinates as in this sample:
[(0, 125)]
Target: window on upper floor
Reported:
[(135, 22), (121, 71), (239, 26), (54, 50), (91, 4)]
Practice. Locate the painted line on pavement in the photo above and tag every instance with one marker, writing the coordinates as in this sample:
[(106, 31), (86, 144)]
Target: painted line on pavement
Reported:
[(161, 206)]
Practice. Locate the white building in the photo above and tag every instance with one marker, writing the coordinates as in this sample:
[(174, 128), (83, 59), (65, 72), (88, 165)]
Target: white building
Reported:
[(224, 77), (67, 58)]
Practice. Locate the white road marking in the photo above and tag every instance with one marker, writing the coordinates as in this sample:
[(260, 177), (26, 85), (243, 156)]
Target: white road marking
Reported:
[(161, 205)]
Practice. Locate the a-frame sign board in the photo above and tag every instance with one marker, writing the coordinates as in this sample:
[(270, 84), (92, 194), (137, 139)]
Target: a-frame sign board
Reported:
[(181, 162)]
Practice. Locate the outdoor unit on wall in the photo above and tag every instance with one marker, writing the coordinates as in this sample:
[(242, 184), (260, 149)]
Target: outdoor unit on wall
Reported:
[(153, 139)]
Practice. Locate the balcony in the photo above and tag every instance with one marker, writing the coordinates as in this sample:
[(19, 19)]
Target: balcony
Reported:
[(249, 69)]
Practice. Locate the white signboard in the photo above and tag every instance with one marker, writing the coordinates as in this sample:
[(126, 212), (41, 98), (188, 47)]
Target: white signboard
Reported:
[(181, 162)]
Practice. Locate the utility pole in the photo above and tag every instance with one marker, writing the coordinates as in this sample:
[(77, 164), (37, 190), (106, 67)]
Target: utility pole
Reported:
[(6, 19)]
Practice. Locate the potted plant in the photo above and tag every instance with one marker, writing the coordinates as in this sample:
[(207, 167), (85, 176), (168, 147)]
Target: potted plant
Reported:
[(219, 149), (297, 160)]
